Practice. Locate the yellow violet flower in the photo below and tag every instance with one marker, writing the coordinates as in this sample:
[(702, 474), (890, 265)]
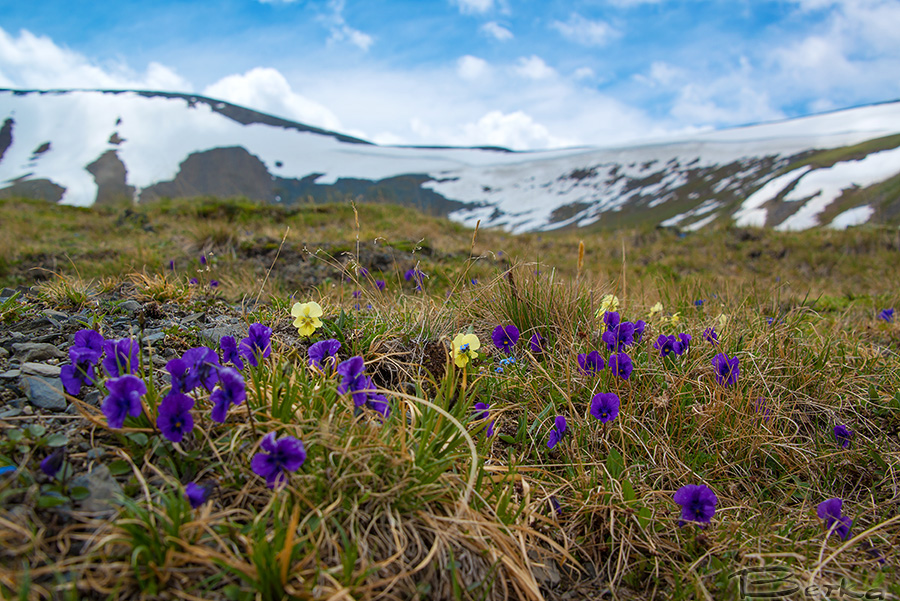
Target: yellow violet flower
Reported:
[(464, 347), (675, 319), (657, 308), (609, 302), (307, 315), (722, 319)]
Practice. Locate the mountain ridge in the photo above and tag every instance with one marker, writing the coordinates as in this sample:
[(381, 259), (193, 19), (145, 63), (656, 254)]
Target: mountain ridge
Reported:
[(86, 146)]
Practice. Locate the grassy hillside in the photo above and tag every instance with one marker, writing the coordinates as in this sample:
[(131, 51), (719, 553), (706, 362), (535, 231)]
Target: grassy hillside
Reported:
[(413, 490)]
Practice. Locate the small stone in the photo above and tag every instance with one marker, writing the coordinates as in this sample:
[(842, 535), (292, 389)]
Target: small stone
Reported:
[(41, 369), (92, 397), (131, 306), (95, 454), (156, 337), (36, 351), (3, 352), (45, 393), (57, 315), (102, 490), (13, 412), (28, 410), (10, 374), (7, 292), (212, 336), (193, 317)]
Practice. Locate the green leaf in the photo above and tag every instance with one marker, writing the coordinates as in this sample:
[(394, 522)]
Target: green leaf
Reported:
[(615, 464), (79, 492), (507, 439), (51, 501), (138, 438), (643, 517), (119, 467), (36, 430), (628, 491), (15, 435), (57, 440)]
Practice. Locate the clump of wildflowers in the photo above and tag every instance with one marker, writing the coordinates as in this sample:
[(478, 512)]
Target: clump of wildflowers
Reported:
[(464, 347), (124, 399), (698, 503), (482, 414), (174, 418), (257, 345), (277, 458), (830, 511), (843, 435), (605, 406), (505, 338), (591, 363), (727, 369), (556, 434)]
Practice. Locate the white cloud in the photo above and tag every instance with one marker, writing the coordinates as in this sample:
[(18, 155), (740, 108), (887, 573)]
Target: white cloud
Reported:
[(470, 67), (31, 61), (341, 31), (534, 67), (584, 31), (474, 7), (497, 31), (512, 130), (267, 90), (584, 73)]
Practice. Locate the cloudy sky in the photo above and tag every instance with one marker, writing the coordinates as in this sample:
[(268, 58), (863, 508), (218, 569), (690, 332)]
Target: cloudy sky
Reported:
[(524, 74)]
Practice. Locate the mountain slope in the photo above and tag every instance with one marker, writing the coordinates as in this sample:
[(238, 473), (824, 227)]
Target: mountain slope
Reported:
[(82, 147)]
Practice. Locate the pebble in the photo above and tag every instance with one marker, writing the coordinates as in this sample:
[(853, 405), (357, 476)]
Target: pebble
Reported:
[(193, 317), (132, 306), (102, 490), (156, 337), (36, 351), (10, 374), (213, 336), (7, 292), (45, 393), (3, 352), (13, 412), (41, 369)]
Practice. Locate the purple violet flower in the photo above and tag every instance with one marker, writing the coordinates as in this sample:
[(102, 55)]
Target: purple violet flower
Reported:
[(612, 320), (620, 365), (51, 463), (537, 344), (354, 381), (590, 363), (379, 404), (698, 503), (203, 259), (665, 345), (605, 406), (380, 284), (81, 371), (682, 344), (843, 434), (89, 339), (887, 315), (172, 265), (124, 399), (197, 494), (556, 434), (620, 336), (177, 369), (709, 335), (258, 343), (830, 511), (121, 357), (761, 407), (214, 283), (322, 354), (230, 352), (727, 369), (174, 419), (482, 413), (505, 337), (202, 364), (231, 391), (639, 326), (278, 457), (192, 281)]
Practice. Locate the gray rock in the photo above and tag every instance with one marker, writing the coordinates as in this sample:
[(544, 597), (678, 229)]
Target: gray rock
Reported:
[(57, 315), (45, 393), (3, 352), (212, 336), (41, 369), (36, 351), (11, 412), (92, 397), (132, 306), (102, 490), (10, 374), (194, 317), (7, 292), (155, 337)]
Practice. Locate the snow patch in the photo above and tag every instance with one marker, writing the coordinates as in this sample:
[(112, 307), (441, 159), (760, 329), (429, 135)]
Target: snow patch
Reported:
[(851, 217)]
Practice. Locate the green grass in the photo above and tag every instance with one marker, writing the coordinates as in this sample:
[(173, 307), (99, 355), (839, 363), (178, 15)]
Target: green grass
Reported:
[(422, 504)]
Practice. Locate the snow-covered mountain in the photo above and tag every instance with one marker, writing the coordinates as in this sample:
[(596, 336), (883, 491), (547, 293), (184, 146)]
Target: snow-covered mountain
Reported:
[(82, 147)]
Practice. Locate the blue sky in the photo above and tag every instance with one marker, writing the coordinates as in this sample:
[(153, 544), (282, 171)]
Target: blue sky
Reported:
[(524, 74)]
